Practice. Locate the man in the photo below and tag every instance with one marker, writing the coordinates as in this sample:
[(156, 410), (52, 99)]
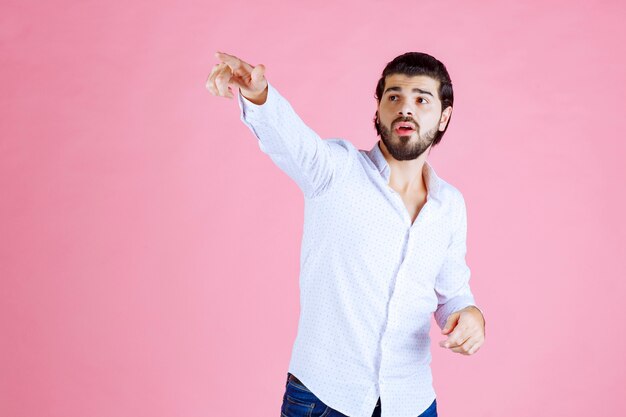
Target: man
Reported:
[(383, 245)]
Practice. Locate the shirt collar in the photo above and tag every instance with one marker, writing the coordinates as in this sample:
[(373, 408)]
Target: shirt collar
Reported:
[(432, 180)]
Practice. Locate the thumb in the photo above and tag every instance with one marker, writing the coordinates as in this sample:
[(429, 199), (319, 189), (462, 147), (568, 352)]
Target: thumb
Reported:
[(258, 75), (450, 323)]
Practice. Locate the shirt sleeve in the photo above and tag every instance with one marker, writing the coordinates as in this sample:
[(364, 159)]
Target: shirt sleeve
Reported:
[(313, 163), (452, 282)]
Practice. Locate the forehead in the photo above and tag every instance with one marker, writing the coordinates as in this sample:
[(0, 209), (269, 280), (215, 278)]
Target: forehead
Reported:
[(407, 83)]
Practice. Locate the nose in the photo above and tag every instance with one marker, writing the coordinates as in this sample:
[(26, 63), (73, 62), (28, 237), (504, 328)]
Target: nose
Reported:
[(406, 110)]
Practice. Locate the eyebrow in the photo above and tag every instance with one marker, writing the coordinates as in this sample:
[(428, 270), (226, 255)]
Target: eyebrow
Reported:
[(415, 90)]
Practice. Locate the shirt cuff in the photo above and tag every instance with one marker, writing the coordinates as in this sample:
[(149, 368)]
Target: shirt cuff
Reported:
[(250, 110), (452, 306)]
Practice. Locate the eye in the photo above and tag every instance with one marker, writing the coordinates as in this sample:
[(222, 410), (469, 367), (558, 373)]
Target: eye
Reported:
[(392, 96), (421, 98)]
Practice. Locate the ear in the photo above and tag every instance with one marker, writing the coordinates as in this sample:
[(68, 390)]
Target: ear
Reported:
[(445, 116)]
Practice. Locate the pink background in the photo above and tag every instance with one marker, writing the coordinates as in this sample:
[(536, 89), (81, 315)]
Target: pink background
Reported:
[(149, 250)]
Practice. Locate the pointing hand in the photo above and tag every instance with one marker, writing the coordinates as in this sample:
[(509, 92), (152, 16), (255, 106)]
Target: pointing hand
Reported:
[(234, 71)]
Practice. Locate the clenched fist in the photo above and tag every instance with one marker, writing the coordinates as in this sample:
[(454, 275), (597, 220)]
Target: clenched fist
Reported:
[(465, 330), (234, 71)]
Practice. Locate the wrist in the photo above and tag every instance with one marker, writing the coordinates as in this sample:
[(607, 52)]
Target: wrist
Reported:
[(258, 98)]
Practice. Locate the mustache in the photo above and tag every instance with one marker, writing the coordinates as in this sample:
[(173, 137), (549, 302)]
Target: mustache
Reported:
[(405, 120)]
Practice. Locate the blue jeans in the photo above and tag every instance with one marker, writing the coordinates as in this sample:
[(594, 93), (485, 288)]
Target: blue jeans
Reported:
[(298, 401)]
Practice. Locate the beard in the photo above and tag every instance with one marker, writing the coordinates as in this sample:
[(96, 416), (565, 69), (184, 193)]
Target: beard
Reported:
[(405, 147)]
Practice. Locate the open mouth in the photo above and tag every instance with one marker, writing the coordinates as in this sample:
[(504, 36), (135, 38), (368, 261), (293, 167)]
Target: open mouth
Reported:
[(404, 130)]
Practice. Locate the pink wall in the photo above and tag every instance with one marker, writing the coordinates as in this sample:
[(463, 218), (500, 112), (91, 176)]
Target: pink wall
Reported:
[(149, 250)]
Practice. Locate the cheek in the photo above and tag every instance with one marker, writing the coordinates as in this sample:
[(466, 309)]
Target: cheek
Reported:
[(434, 120)]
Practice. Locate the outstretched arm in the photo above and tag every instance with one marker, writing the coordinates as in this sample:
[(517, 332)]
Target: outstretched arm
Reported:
[(314, 164)]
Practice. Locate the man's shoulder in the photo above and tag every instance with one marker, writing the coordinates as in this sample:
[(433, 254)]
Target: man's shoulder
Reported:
[(450, 192)]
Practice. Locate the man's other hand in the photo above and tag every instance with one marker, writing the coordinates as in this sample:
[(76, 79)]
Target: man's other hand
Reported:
[(466, 331)]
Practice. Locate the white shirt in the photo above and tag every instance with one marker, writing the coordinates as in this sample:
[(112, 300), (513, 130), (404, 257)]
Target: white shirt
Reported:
[(369, 279)]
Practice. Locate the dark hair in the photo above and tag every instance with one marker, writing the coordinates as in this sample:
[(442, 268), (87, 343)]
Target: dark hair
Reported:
[(419, 63)]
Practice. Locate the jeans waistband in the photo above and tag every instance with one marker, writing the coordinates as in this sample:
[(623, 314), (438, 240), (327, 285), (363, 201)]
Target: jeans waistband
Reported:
[(293, 378)]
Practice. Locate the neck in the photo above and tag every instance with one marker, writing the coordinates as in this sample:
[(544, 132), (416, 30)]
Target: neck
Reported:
[(406, 176)]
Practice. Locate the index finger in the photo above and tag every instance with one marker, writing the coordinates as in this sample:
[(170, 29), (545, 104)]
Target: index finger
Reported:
[(230, 60)]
